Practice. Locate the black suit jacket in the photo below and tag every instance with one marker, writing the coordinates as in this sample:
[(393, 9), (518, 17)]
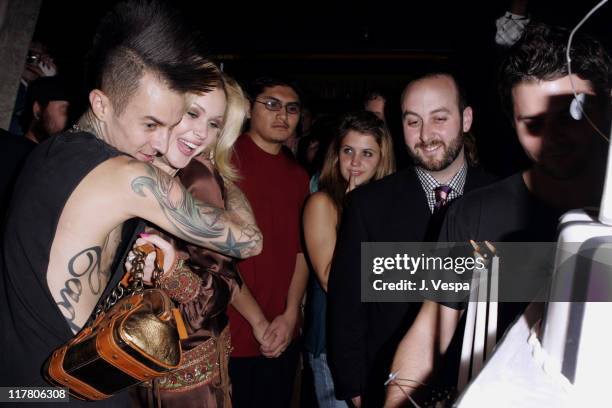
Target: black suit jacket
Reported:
[(363, 337)]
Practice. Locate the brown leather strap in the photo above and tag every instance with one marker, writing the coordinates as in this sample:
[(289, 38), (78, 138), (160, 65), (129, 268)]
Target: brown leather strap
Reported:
[(146, 249), (81, 335), (180, 323)]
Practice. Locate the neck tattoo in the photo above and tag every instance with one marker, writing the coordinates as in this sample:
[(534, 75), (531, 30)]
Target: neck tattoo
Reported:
[(88, 123)]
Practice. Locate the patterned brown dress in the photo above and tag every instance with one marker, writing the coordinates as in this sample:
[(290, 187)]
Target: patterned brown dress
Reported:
[(202, 288)]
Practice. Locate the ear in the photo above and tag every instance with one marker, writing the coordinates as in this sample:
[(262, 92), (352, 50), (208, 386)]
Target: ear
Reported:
[(100, 105), (467, 119), (36, 110)]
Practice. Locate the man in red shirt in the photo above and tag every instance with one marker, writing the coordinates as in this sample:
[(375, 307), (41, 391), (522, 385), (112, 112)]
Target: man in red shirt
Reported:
[(276, 187)]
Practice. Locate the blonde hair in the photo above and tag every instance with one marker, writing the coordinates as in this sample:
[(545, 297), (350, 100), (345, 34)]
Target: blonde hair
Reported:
[(233, 119)]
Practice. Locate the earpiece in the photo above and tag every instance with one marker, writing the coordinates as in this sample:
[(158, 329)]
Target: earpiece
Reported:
[(576, 107)]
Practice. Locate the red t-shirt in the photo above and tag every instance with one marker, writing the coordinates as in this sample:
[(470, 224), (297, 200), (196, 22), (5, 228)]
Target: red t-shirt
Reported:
[(276, 186)]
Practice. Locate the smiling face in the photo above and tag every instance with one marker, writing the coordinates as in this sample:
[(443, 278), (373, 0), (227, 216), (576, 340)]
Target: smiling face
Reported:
[(558, 144), (358, 157), (433, 125), (142, 129), (270, 127), (198, 129)]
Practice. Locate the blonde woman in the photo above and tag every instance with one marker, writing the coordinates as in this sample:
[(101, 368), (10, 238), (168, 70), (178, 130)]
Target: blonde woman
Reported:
[(203, 282)]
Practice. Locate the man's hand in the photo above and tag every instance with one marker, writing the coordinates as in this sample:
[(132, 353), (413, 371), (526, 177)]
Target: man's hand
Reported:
[(279, 334)]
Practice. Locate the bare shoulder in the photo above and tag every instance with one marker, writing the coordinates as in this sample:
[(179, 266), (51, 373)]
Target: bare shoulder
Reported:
[(321, 199), (320, 206), (116, 170), (101, 192), (111, 187), (122, 175), (127, 168)]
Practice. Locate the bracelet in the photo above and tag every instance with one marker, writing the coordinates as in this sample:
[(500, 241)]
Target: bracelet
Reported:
[(182, 284), (159, 273)]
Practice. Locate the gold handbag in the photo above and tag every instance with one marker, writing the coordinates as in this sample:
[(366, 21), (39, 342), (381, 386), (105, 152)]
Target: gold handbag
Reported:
[(134, 337)]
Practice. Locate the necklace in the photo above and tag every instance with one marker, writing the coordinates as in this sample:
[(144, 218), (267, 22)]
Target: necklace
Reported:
[(86, 124)]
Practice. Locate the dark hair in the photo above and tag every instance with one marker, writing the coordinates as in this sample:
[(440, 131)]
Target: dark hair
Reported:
[(331, 180), (144, 35), (258, 86), (540, 55)]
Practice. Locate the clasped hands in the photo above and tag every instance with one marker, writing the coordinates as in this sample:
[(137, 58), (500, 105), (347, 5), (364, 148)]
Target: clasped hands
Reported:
[(274, 337)]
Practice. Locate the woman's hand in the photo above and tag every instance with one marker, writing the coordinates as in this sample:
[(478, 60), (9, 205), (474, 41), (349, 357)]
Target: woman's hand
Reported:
[(167, 249), (352, 184)]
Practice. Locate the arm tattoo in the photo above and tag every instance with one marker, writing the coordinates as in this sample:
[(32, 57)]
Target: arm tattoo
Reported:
[(231, 247), (86, 262), (181, 209), (237, 202)]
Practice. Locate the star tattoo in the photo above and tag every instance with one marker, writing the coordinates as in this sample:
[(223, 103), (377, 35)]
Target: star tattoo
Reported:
[(230, 246)]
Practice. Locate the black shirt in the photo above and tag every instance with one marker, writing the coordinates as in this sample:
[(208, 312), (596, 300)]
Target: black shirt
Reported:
[(31, 324), (505, 211), (13, 152)]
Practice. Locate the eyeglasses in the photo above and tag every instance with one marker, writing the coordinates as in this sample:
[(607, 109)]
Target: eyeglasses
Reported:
[(274, 105)]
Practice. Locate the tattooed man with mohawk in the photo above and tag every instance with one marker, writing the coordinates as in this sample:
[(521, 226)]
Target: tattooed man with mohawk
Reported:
[(67, 226)]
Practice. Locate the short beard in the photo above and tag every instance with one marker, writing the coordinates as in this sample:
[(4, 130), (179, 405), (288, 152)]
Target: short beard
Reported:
[(450, 154)]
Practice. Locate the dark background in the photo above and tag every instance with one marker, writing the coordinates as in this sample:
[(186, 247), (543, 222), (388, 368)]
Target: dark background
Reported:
[(337, 50)]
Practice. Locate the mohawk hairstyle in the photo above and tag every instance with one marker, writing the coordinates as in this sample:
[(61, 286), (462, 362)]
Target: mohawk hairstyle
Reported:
[(147, 36)]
